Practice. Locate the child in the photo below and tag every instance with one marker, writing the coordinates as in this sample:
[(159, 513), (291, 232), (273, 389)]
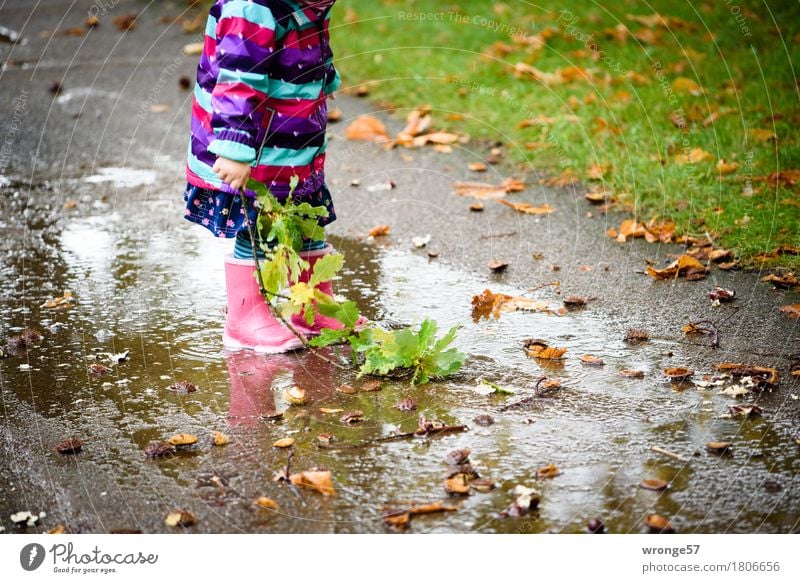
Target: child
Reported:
[(259, 111)]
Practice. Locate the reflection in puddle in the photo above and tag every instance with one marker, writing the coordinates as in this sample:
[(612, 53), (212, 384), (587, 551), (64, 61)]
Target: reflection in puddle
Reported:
[(160, 294)]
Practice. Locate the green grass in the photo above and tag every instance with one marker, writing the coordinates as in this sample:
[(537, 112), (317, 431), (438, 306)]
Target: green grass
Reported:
[(427, 52)]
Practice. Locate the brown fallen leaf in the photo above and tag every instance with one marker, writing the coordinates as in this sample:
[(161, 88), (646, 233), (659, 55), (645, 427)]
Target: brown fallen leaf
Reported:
[(686, 85), (476, 207), (547, 472), (537, 348), (367, 128), (370, 386), (497, 265), (63, 302), (352, 417), (722, 295), (477, 166), (318, 480), (592, 360), (765, 375), (180, 518), (745, 410), (157, 449), (658, 524), (634, 336), (183, 387), (724, 168), (334, 115), (528, 209), (782, 280), (631, 373), (91, 21), (599, 197), (482, 485), (346, 389), (718, 446), (762, 135), (655, 485), (97, 369), (488, 305), (685, 265), (792, 311), (284, 442), (69, 446), (408, 404), (678, 373), (458, 485), (126, 21), (325, 439), (380, 231), (481, 190), (598, 171)]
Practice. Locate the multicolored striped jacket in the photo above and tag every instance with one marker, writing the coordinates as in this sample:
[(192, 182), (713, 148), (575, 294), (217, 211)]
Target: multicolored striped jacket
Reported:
[(260, 95)]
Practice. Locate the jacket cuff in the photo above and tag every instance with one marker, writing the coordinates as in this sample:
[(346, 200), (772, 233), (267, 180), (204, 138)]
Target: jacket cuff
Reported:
[(233, 150), (333, 84)]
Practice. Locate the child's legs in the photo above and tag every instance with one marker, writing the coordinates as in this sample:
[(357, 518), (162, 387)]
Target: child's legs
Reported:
[(243, 249)]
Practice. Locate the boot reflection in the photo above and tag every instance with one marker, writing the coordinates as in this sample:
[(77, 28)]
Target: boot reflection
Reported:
[(253, 376)]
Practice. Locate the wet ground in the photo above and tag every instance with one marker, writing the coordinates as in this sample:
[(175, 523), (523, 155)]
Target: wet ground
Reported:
[(90, 202), (160, 296)]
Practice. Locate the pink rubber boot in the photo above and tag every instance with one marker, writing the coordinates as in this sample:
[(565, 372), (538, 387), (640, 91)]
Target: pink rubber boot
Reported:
[(320, 321), (249, 323)]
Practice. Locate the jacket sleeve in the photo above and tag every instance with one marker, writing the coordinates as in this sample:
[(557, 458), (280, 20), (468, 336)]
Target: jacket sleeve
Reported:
[(245, 35), (332, 79)]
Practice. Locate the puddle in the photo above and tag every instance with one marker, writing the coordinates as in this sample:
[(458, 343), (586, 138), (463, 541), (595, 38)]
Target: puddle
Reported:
[(159, 292), (122, 177)]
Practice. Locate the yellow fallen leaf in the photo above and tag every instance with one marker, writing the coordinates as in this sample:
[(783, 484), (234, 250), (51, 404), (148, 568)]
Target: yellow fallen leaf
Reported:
[(182, 439), (683, 265), (724, 167), (319, 480), (284, 442), (267, 503), (180, 518), (329, 410), (762, 135), (220, 439), (693, 156), (686, 85)]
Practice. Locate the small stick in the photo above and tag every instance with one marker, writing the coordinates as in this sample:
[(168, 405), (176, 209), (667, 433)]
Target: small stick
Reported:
[(498, 235), (527, 399), (671, 454)]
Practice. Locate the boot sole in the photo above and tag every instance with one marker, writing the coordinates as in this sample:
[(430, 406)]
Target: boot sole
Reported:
[(234, 345)]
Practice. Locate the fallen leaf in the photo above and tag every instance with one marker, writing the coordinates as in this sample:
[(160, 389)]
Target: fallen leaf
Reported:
[(477, 166), (458, 456), (693, 156), (60, 302), (724, 168), (352, 417), (476, 207), (334, 115), (685, 265), (266, 503), (482, 485), (488, 304), (599, 197), (182, 439), (97, 369), (497, 265), (678, 373), (294, 396), (746, 410), (159, 108), (592, 360), (408, 404), (718, 446), (193, 49), (159, 449), (762, 135), (631, 374), (329, 410), (658, 524), (598, 171), (346, 389), (655, 485), (380, 231), (634, 336), (686, 85), (527, 500), (183, 387), (766, 375), (540, 349), (319, 480), (370, 386), (58, 529), (481, 190), (180, 518), (325, 439), (782, 281), (547, 472), (792, 311), (457, 485), (484, 420), (69, 446), (366, 128), (722, 295), (528, 209), (91, 21), (284, 442), (576, 301), (220, 439), (126, 21)]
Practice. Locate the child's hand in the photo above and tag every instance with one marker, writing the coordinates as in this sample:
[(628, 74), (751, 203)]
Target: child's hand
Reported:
[(232, 172)]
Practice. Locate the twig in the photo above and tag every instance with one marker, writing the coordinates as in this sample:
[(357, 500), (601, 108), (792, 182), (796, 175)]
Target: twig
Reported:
[(275, 313), (406, 435), (671, 454), (536, 394), (498, 235)]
